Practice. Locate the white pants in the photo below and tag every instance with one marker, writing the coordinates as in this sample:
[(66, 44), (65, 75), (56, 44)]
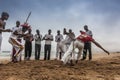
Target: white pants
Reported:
[(61, 47), (0, 42), (58, 49), (75, 44), (17, 45)]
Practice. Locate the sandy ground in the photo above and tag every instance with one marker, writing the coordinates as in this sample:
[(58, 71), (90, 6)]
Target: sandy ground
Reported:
[(102, 67)]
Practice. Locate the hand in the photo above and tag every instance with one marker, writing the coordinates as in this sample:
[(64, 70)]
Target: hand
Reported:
[(64, 31), (58, 39), (107, 52), (8, 30), (48, 38)]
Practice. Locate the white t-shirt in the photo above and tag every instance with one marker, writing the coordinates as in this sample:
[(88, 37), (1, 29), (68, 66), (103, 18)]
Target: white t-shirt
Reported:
[(58, 38), (38, 38), (69, 39), (48, 42), (89, 33), (19, 31)]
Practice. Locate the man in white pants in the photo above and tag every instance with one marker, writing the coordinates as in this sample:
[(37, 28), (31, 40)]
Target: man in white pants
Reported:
[(4, 16), (15, 43), (58, 39), (64, 44), (79, 43), (19, 31)]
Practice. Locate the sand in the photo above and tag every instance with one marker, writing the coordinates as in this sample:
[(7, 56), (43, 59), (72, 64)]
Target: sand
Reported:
[(102, 67)]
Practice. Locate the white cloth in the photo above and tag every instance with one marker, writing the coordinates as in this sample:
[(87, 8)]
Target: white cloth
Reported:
[(38, 38), (0, 41), (75, 44), (16, 44), (47, 36)]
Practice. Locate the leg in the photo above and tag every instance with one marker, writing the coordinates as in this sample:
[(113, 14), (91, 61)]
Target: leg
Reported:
[(45, 52), (0, 42), (36, 48), (80, 47), (84, 51), (18, 46), (49, 51), (39, 49), (67, 54), (60, 55), (30, 50), (25, 51), (90, 52), (57, 50)]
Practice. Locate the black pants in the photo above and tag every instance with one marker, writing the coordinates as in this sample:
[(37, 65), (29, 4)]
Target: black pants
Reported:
[(47, 52), (87, 47), (28, 49), (37, 51)]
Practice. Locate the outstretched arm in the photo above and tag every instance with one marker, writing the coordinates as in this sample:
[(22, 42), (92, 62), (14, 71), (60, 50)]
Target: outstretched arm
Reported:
[(5, 30), (98, 45)]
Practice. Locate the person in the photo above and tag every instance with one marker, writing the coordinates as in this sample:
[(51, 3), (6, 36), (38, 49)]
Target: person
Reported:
[(64, 44), (47, 48), (38, 39), (58, 39), (28, 44), (79, 43), (87, 45), (15, 43), (19, 31), (4, 16), (69, 37)]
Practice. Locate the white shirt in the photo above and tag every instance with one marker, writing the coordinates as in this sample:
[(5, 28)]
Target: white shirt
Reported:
[(68, 39), (58, 38), (19, 31), (38, 38), (89, 33), (48, 42)]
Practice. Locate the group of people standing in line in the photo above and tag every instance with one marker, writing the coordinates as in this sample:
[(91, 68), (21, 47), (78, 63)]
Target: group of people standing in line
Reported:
[(64, 49)]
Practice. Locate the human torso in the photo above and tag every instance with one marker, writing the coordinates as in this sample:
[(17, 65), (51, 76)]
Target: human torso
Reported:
[(29, 37), (18, 30), (38, 38), (69, 38), (50, 36), (58, 38)]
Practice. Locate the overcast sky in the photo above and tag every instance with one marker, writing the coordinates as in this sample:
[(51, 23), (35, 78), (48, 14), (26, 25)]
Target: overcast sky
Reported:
[(102, 17)]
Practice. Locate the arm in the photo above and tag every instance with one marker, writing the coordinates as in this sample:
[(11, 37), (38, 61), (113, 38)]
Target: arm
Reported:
[(5, 30), (98, 45), (72, 36), (65, 32)]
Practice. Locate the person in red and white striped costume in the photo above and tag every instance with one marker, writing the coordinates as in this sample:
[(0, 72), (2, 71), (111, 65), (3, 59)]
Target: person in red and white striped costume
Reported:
[(79, 43)]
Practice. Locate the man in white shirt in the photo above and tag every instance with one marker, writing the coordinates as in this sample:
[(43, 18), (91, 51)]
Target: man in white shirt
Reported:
[(15, 43), (19, 31), (38, 39), (58, 39), (4, 16), (47, 48), (87, 45), (69, 37)]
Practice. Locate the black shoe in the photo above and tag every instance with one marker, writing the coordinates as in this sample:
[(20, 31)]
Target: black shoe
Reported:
[(76, 61), (90, 59)]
